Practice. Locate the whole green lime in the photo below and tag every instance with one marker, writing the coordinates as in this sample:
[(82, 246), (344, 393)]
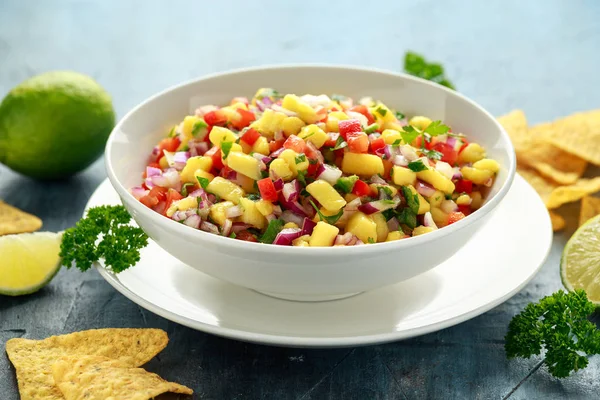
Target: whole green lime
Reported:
[(54, 125)]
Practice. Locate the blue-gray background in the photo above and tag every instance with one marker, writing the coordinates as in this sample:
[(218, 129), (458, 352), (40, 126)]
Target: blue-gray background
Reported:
[(541, 56)]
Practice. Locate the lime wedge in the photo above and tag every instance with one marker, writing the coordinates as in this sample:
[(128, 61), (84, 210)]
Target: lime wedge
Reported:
[(28, 262), (580, 262)]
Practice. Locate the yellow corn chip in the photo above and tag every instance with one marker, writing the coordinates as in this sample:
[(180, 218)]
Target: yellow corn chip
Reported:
[(554, 195), (515, 124), (558, 222), (590, 207), (101, 378), (33, 359), (13, 220), (578, 134)]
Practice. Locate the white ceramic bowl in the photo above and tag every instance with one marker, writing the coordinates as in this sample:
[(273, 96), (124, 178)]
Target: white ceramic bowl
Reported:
[(300, 273)]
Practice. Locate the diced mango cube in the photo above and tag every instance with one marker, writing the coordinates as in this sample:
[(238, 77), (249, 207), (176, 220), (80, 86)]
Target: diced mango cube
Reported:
[(218, 210), (382, 228), (403, 176), (269, 123), (382, 114), (392, 125), (325, 194), (313, 134), (436, 199), (188, 126), (362, 164), (362, 227), (391, 136), (219, 135), (394, 235), (333, 119), (200, 173), (182, 205), (476, 200), (302, 241), (463, 200), (251, 215), (244, 164), (290, 225), (261, 146), (280, 168), (477, 176), (163, 163), (439, 217), (421, 230), (436, 179), (295, 161), (472, 153), (264, 207), (420, 122), (487, 164), (292, 125), (193, 164), (225, 189), (304, 111), (323, 235)]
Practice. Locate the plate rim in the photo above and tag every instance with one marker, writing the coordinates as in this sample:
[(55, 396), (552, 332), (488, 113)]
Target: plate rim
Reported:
[(322, 342)]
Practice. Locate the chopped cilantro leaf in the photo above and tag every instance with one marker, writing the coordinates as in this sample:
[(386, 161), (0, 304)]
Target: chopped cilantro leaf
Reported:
[(389, 214), (253, 196), (412, 199), (203, 182), (399, 115), (436, 128), (226, 148), (198, 127), (233, 235), (397, 142), (416, 166), (332, 219), (432, 154), (409, 134), (184, 190), (274, 227), (381, 111), (408, 218), (300, 158), (346, 183), (340, 143), (371, 240), (172, 132), (301, 176)]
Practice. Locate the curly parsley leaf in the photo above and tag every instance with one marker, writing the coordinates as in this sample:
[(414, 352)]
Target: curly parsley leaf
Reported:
[(559, 325), (332, 219), (415, 64), (103, 233)]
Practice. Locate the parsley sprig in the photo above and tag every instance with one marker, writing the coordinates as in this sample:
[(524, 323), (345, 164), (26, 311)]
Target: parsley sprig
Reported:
[(103, 233), (559, 325)]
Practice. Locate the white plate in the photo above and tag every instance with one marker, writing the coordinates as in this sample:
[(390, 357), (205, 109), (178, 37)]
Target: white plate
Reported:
[(493, 266)]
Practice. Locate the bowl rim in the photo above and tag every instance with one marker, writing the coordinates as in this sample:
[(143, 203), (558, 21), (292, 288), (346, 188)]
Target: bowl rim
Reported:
[(241, 245)]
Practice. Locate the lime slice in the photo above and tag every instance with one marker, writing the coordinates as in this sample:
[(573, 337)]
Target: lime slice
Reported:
[(580, 262), (28, 262)]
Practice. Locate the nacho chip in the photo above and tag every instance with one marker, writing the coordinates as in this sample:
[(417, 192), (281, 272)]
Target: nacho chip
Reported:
[(100, 378), (555, 195), (578, 134), (558, 222), (33, 359), (590, 207), (13, 220), (515, 124)]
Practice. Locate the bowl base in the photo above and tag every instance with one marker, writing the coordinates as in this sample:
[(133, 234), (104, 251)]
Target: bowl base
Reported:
[(308, 298)]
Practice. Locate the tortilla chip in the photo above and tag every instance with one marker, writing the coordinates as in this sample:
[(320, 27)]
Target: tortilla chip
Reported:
[(558, 222), (33, 359), (515, 124), (101, 378), (13, 220), (555, 195), (578, 134), (590, 207)]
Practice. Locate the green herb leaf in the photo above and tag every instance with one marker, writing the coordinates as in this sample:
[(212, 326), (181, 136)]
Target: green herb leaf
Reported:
[(408, 218), (254, 196), (199, 129), (436, 128), (381, 111), (118, 243), (184, 190), (412, 199), (416, 166), (203, 182), (399, 115), (432, 154), (226, 148), (371, 240), (415, 64), (559, 325), (300, 158), (374, 127), (172, 132), (409, 133), (338, 98), (340, 143), (385, 189), (389, 213), (233, 235), (346, 183), (329, 219), (302, 177), (274, 227)]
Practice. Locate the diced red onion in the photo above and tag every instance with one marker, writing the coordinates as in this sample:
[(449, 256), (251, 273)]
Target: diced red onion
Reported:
[(400, 160), (227, 226), (267, 101), (344, 239), (353, 205), (212, 198), (315, 153), (409, 152), (237, 227), (288, 216), (276, 107), (428, 220), (209, 227), (393, 224), (356, 115), (179, 216), (181, 157), (307, 227), (233, 212), (202, 111), (425, 189), (155, 151), (261, 105), (197, 148), (390, 151), (292, 206), (291, 191), (373, 136), (451, 141), (378, 180), (329, 173), (169, 179), (151, 171), (378, 205), (204, 211), (139, 192), (202, 194), (358, 241), (445, 169), (278, 183), (457, 174), (171, 160), (231, 175), (277, 152), (193, 221), (260, 158), (448, 206), (287, 236)]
